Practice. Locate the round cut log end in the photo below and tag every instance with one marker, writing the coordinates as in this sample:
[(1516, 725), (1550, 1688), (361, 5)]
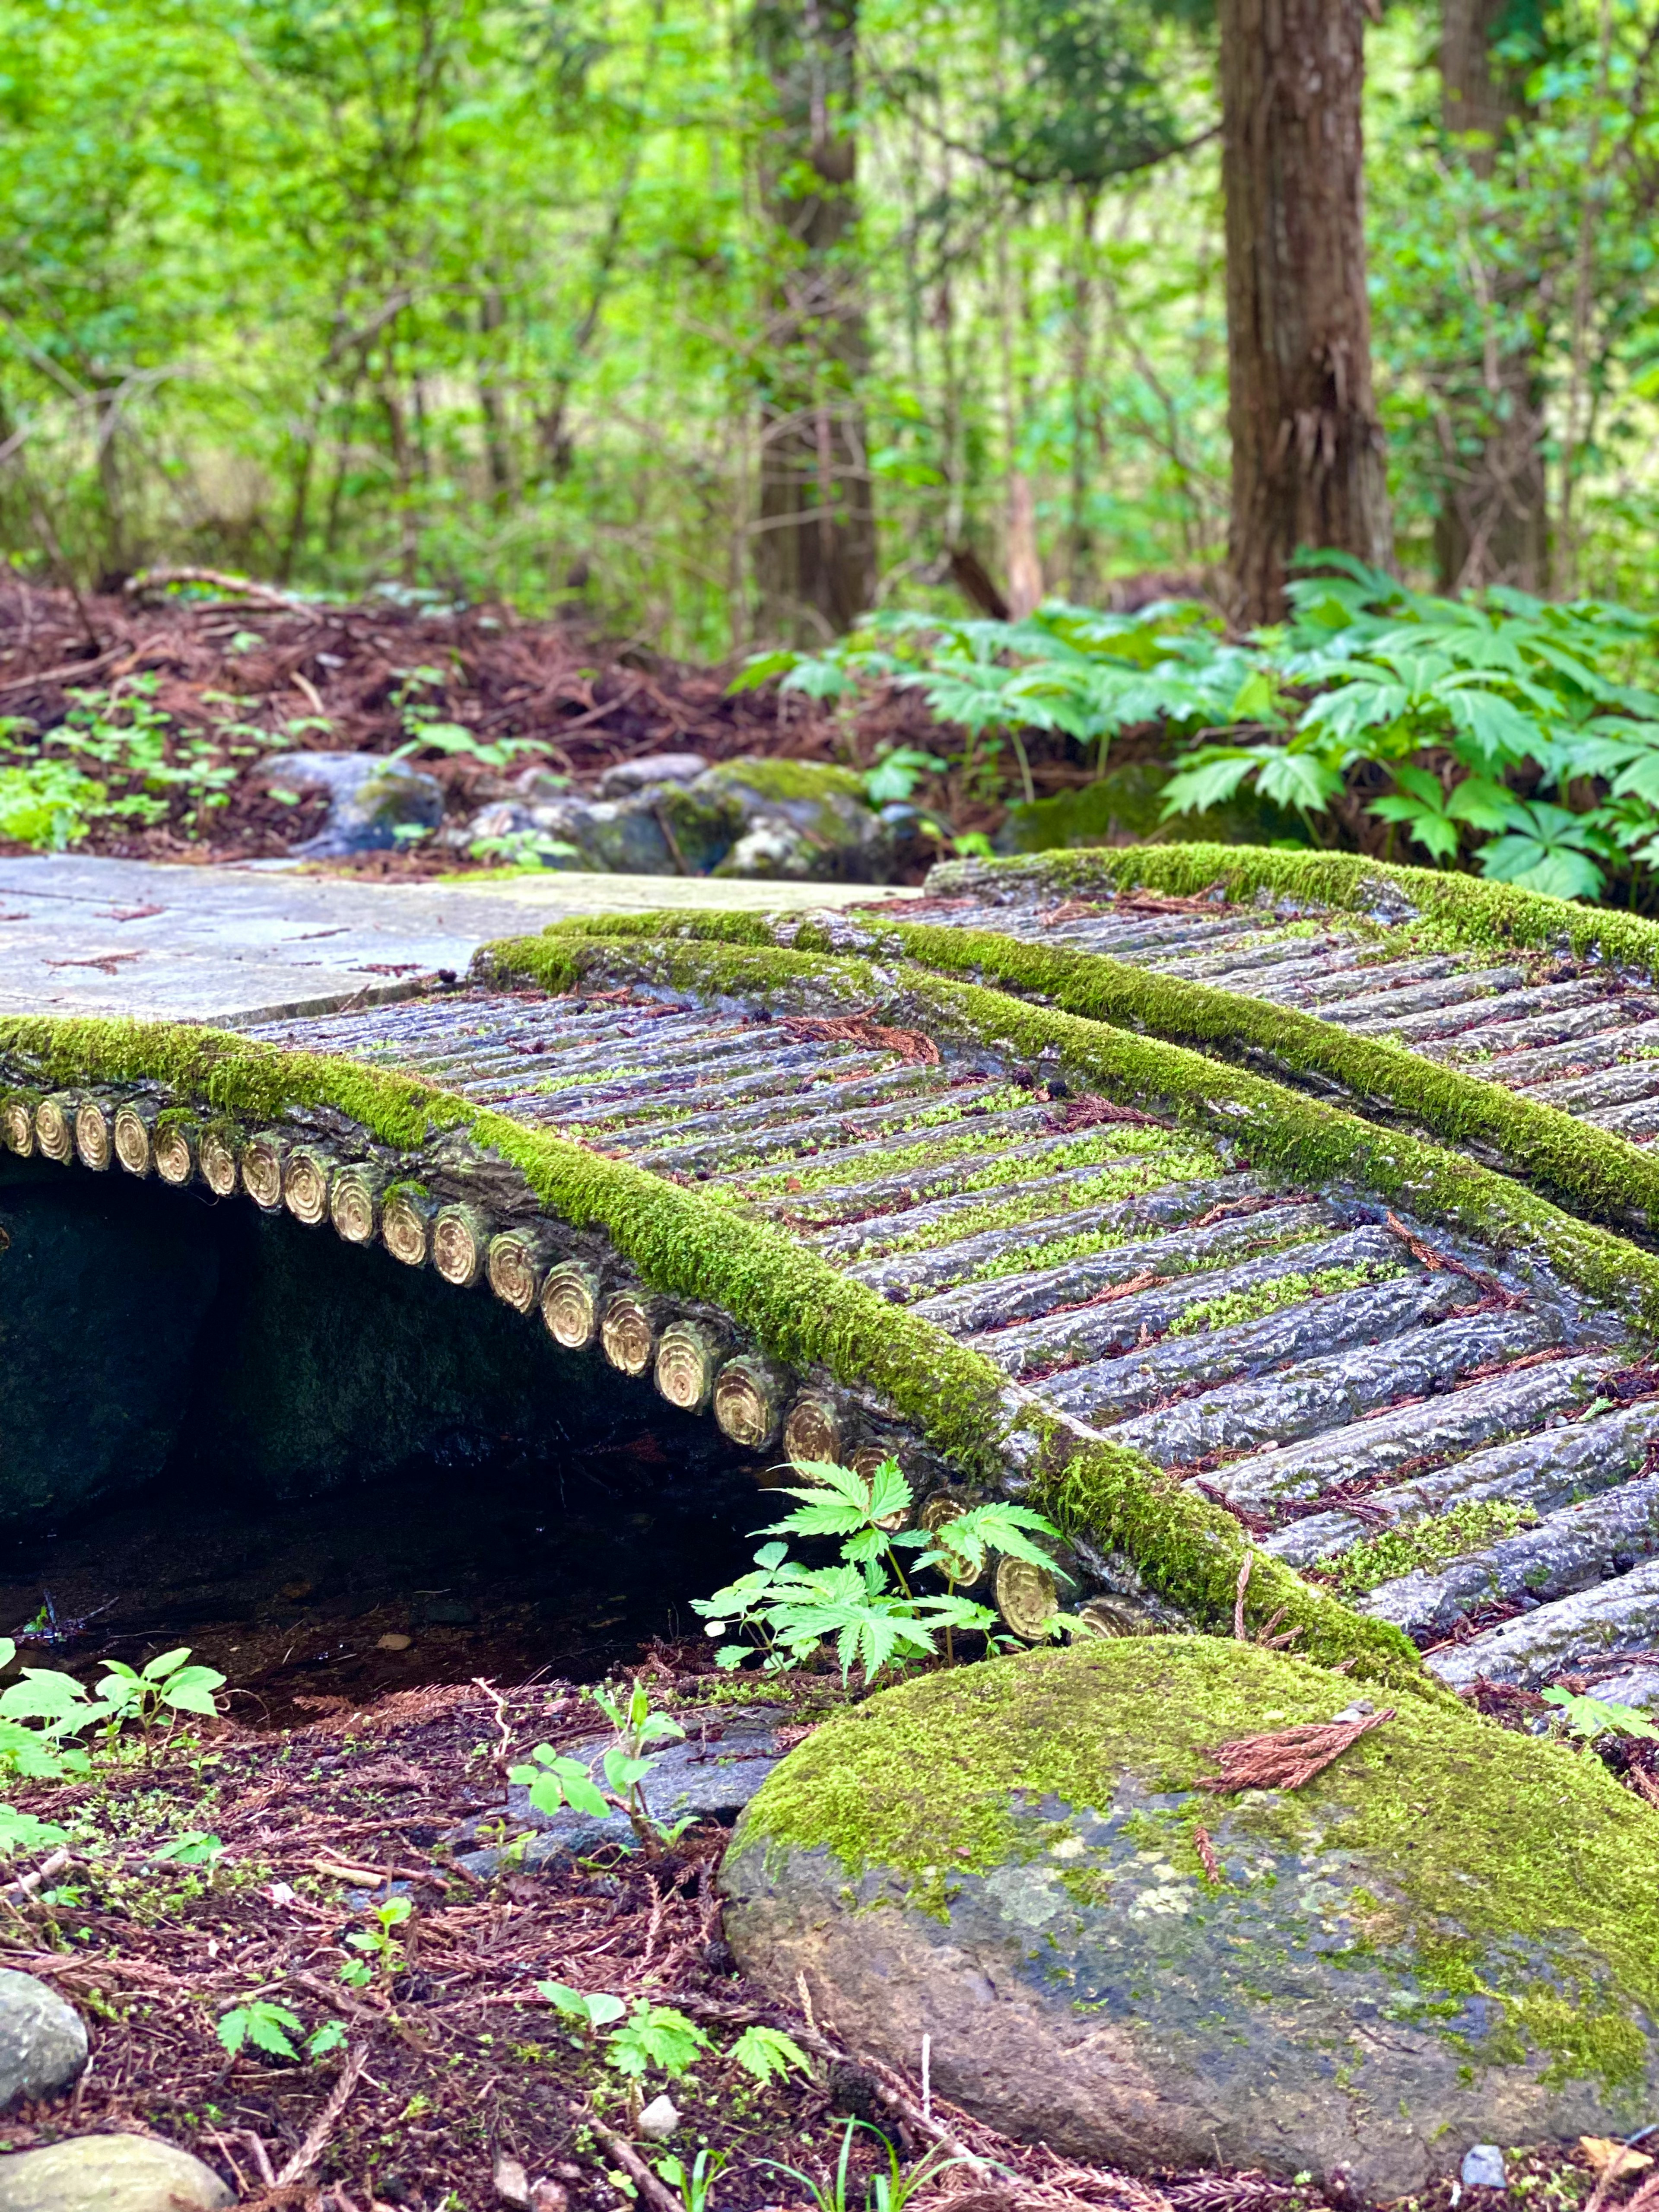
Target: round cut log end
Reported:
[(94, 1139), (218, 1160), (936, 1515), (305, 1179), (510, 1265), (864, 1461), (403, 1230), (17, 1126), (747, 1403), (570, 1306), (174, 1154), (1027, 1597), (688, 1357), (628, 1334), (460, 1240), (132, 1141), (54, 1131), (354, 1207), (262, 1172), (1112, 1616), (813, 1430)]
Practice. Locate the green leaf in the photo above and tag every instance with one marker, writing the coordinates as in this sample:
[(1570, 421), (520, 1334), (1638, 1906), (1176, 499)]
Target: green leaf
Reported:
[(1589, 1717), (768, 2054)]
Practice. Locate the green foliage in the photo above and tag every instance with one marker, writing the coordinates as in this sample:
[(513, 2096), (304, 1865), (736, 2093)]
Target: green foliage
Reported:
[(654, 2038), (890, 2189), (866, 1603), (693, 2188), (24, 1831), (768, 2054), (590, 2012), (194, 1848), (271, 2029), (379, 1951), (555, 1781), (1588, 1718), (165, 1685)]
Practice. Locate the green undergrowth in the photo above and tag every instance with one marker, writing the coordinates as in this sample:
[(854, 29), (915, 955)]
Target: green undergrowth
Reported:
[(1234, 1308), (1280, 1131), (1489, 1850), (802, 1311), (1463, 913), (1425, 1544)]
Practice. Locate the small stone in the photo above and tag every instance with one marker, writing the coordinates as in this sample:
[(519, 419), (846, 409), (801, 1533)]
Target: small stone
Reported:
[(547, 2195), (371, 797), (660, 2119), (629, 776), (110, 2174), (1482, 2167), (43, 2039), (512, 2182), (392, 1642)]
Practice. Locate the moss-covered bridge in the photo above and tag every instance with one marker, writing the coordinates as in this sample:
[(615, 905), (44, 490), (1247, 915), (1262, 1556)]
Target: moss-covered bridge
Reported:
[(1225, 1203)]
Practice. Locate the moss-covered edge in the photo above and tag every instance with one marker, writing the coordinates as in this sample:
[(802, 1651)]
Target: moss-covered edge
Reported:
[(1466, 912), (1302, 1138), (798, 1308), (1604, 1174)]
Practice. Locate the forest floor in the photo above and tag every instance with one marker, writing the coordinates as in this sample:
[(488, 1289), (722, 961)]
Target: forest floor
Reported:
[(240, 676), (458, 2087)]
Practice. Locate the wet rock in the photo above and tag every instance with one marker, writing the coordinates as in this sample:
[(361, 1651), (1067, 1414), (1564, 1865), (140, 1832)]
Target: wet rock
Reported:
[(1448, 1937), (110, 2174), (715, 1779), (1482, 2167), (370, 797), (629, 776), (804, 821), (43, 2039)]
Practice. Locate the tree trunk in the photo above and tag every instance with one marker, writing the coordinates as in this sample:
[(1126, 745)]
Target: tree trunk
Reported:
[(1307, 448), (815, 546), (1492, 526)]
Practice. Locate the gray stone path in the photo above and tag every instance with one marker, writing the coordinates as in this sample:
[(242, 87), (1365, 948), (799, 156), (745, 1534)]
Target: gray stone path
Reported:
[(80, 935)]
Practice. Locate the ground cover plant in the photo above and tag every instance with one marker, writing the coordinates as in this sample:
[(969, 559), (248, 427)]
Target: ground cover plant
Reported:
[(1498, 732), (513, 2024)]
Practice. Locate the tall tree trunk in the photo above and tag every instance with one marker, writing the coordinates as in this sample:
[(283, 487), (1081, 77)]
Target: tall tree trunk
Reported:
[(1492, 526), (815, 557), (1307, 448)]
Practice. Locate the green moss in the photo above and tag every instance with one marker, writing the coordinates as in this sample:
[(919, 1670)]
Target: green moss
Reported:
[(1038, 1206), (1465, 911), (1233, 1308), (1468, 1526), (1493, 1849), (789, 782), (1304, 1141)]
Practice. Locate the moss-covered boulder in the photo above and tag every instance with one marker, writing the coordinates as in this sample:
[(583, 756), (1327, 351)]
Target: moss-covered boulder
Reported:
[(1449, 1937), (802, 820)]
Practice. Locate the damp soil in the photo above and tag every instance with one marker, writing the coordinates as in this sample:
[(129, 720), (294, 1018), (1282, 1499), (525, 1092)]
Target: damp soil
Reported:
[(472, 1560)]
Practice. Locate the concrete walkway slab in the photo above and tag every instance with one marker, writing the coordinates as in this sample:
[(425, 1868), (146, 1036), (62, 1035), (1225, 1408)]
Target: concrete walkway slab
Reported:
[(80, 935)]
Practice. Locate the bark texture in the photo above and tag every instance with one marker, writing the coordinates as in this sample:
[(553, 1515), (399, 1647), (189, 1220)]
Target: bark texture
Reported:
[(1307, 466), (1492, 526), (815, 559)]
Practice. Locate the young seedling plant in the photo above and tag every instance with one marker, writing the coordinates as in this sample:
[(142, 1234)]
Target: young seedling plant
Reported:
[(271, 2029), (554, 1780), (868, 1604), (379, 1954)]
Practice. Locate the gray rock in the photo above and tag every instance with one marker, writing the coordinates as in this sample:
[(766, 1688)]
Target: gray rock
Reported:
[(1003, 1857), (110, 2174), (805, 822), (371, 797), (629, 776), (716, 1778), (1482, 2167), (43, 2039), (660, 2119)]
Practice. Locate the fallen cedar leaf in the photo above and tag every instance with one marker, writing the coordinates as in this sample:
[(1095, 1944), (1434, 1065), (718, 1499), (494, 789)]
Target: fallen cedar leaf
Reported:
[(1613, 2159), (1288, 1757), (1206, 1850)]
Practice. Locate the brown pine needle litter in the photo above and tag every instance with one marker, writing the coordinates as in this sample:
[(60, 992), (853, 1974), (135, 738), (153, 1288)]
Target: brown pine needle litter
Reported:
[(1287, 1758), (912, 1046)]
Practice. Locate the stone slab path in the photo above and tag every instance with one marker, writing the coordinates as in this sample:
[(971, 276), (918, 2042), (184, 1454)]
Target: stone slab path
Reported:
[(80, 935)]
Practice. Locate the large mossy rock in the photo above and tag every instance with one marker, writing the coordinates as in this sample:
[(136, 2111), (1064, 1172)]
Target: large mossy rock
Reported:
[(1450, 1936)]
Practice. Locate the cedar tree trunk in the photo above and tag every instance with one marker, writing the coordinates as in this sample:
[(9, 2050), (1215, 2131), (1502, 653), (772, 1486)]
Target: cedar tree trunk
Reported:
[(1307, 448), (816, 547)]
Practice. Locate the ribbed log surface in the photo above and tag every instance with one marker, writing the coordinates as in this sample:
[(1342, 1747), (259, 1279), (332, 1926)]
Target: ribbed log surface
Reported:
[(1289, 1352)]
